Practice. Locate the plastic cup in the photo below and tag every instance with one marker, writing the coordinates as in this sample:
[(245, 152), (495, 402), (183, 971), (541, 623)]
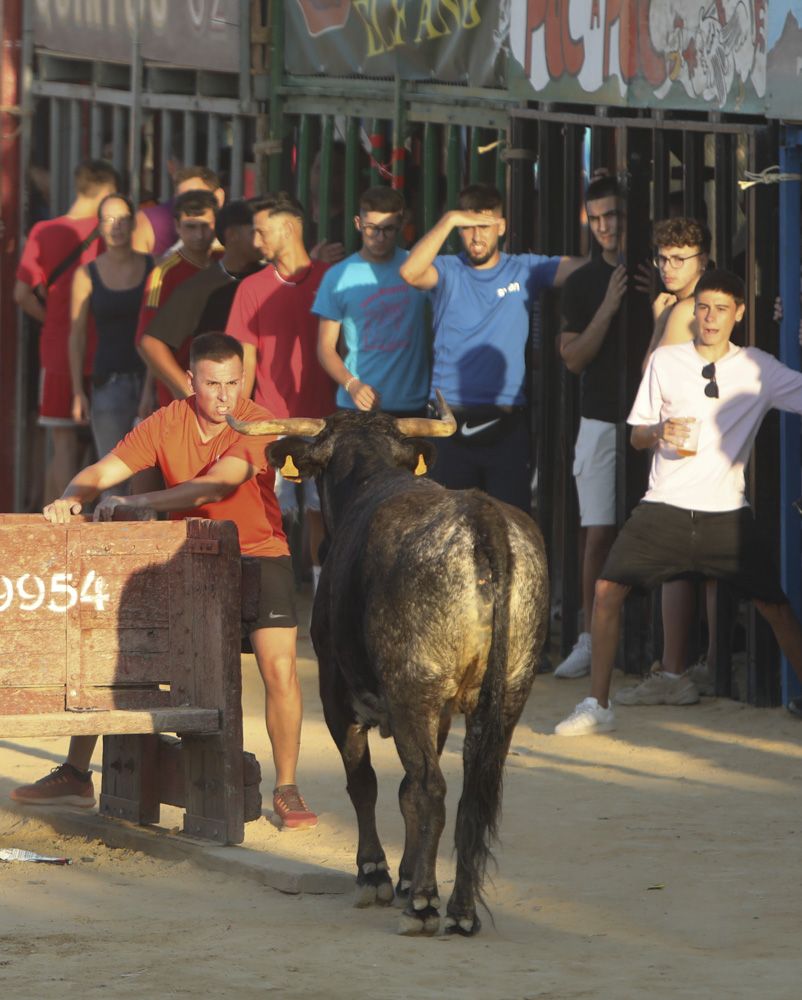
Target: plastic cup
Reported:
[(691, 444)]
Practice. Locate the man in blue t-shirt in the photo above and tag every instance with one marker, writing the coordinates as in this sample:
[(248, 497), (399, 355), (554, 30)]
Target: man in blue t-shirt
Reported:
[(379, 316), (482, 300)]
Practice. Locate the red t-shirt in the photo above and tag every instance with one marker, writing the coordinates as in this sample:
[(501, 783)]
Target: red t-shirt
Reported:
[(163, 280), (48, 244), (275, 315), (170, 438)]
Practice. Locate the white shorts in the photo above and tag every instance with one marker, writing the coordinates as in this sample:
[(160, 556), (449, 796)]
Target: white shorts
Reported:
[(287, 495), (594, 472)]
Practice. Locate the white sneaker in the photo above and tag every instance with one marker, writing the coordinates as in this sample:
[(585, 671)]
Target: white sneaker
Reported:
[(577, 663), (699, 673), (587, 718), (660, 689)]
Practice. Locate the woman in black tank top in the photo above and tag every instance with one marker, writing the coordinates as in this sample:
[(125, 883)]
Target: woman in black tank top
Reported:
[(109, 290)]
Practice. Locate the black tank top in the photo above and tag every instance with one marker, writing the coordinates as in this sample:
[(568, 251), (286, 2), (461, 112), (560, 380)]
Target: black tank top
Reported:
[(116, 314)]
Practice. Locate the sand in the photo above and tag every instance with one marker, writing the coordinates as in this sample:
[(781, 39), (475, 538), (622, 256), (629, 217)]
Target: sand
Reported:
[(662, 860)]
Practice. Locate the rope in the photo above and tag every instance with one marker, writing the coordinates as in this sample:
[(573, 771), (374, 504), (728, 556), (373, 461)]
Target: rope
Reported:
[(771, 175)]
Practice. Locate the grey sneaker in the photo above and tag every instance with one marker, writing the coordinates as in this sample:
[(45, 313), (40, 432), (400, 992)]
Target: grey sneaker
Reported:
[(660, 689), (700, 675), (587, 718), (577, 663)]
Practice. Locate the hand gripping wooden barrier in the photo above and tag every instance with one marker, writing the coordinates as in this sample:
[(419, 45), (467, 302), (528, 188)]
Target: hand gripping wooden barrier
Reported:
[(131, 630)]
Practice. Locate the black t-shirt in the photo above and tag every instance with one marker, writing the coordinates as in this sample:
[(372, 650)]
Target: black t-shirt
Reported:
[(582, 295), (215, 313)]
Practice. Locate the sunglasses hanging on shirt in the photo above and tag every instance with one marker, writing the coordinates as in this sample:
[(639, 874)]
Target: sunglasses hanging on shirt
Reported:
[(709, 372)]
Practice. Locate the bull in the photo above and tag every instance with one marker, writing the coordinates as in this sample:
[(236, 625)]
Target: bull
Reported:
[(430, 602)]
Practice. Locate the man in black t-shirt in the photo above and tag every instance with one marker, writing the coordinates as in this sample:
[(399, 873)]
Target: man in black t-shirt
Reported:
[(201, 304), (589, 346)]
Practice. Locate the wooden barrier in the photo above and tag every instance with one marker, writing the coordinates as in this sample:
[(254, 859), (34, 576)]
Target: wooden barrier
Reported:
[(130, 630)]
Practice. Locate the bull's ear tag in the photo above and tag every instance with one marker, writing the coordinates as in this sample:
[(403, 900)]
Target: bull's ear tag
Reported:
[(289, 471), (420, 468)]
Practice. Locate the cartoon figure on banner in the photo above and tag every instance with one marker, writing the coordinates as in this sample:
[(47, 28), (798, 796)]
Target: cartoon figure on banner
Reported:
[(707, 50)]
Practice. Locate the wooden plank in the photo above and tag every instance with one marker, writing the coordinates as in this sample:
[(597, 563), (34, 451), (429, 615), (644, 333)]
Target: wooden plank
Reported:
[(109, 699), (32, 658), (22, 701), (137, 596), (129, 785), (158, 720), (214, 768)]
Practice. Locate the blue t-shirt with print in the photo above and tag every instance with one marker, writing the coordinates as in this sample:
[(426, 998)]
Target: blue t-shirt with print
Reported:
[(481, 325), (383, 329)]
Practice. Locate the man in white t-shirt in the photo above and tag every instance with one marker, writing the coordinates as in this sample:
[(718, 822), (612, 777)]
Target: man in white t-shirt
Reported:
[(694, 517)]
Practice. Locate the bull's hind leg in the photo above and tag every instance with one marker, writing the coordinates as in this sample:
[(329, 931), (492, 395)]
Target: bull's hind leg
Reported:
[(411, 848), (373, 882), (422, 798)]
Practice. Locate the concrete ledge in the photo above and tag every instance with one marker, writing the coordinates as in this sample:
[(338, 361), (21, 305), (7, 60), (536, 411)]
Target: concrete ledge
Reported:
[(283, 874)]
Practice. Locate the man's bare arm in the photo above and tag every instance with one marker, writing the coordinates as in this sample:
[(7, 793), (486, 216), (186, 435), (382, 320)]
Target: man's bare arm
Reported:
[(418, 269), (87, 486), (364, 396), (578, 349), (161, 361), (26, 299)]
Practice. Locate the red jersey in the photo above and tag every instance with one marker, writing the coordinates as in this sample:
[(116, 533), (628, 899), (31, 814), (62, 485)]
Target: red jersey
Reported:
[(275, 315), (48, 244), (165, 277), (171, 439)]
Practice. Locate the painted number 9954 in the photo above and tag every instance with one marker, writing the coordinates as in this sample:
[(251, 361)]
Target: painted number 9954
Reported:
[(29, 593)]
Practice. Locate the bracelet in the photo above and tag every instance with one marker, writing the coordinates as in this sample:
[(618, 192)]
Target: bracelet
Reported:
[(347, 383)]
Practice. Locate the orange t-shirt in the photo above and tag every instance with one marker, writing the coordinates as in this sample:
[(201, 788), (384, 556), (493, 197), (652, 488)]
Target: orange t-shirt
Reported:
[(171, 439)]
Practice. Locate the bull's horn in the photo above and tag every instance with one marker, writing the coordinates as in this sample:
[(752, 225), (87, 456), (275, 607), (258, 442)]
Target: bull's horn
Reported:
[(424, 427), (305, 426)]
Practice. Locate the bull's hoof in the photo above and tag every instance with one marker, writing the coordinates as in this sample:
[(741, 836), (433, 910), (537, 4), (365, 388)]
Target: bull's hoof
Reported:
[(402, 887), (425, 921), (373, 885), (465, 926)]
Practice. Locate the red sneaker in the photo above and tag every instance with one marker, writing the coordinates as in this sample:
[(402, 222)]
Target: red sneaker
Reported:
[(289, 806), (64, 786)]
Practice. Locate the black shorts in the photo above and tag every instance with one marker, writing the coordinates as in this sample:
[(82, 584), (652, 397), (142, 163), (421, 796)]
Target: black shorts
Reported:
[(276, 595), (661, 542)]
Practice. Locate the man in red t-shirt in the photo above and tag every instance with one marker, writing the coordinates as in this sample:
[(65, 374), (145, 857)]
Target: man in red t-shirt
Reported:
[(209, 471), (272, 316), (49, 245), (194, 219)]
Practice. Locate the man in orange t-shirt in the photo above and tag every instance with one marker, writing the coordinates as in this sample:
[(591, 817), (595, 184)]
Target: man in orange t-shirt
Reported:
[(210, 471)]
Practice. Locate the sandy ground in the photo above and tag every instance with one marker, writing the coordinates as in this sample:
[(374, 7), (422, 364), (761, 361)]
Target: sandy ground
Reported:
[(662, 860)]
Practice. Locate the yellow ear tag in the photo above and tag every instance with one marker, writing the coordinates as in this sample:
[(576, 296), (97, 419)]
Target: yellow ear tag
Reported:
[(420, 468), (289, 471)]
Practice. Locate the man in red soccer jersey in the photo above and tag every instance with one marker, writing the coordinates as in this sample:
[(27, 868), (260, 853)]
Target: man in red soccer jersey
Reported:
[(55, 248)]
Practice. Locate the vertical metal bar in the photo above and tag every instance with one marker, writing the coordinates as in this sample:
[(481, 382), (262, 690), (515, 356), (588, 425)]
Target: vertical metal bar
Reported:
[(189, 155), (790, 537), (118, 138), (135, 112), (351, 180), (431, 141), (56, 161), (324, 193), (726, 201), (453, 177), (245, 90), (237, 157), (167, 153), (660, 172), (304, 161), (474, 164), (213, 142), (97, 114), (75, 136), (500, 163), (376, 152), (276, 104), (693, 168), (398, 155)]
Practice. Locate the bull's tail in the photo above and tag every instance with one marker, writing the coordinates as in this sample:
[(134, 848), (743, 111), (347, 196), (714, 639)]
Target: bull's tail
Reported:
[(486, 735)]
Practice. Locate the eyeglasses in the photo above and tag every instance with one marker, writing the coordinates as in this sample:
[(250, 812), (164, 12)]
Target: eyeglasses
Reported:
[(384, 231), (675, 262), (709, 372)]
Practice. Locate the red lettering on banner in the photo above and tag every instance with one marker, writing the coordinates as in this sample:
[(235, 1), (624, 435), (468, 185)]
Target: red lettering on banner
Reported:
[(563, 54), (759, 7)]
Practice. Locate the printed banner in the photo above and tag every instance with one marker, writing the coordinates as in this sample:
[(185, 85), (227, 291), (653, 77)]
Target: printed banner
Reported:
[(680, 54), (196, 34), (455, 41)]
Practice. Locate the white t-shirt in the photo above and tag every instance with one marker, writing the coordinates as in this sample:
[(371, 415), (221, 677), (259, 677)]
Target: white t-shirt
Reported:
[(750, 383)]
